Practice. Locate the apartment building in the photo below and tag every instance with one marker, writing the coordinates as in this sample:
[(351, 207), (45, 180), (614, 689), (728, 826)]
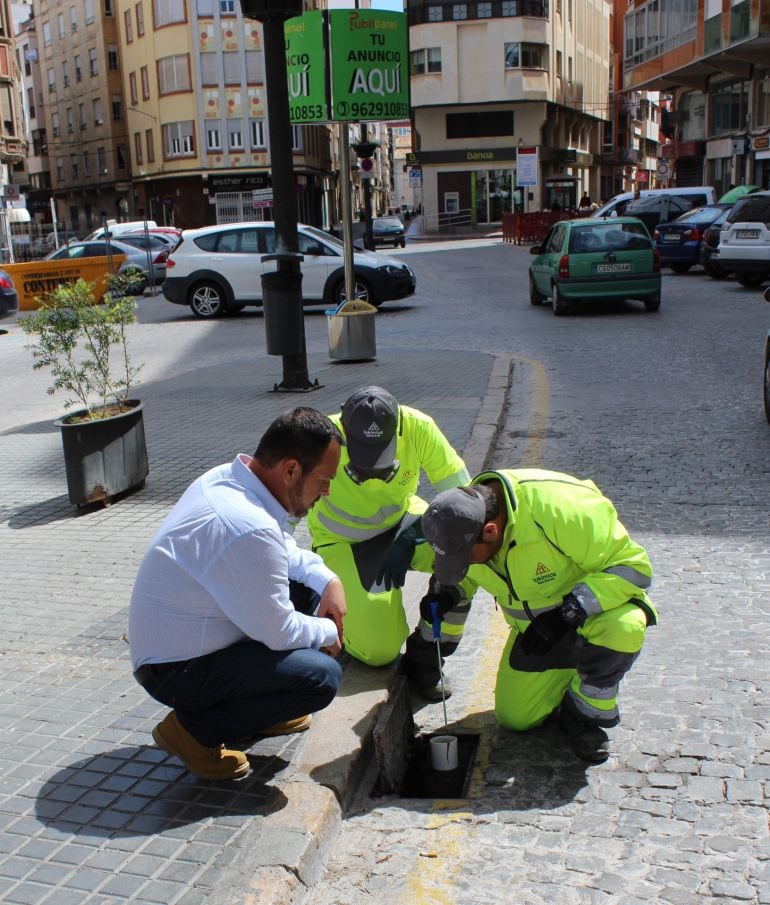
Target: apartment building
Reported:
[(489, 78), (12, 143), (194, 81), (713, 59), (83, 110)]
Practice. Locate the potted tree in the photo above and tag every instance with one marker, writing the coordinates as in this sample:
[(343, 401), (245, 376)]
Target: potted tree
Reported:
[(84, 345)]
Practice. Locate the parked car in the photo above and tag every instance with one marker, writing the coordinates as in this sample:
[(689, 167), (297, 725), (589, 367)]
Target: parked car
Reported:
[(588, 259), (44, 245), (679, 241), (655, 209), (135, 257), (387, 230), (709, 247), (216, 269), (118, 230), (697, 195), (9, 298), (744, 241)]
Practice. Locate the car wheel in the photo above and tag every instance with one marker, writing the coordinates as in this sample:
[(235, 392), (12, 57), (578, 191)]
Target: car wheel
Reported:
[(681, 268), (652, 303), (767, 387), (207, 300), (362, 291), (752, 279), (557, 301), (535, 297), (403, 243), (716, 273)]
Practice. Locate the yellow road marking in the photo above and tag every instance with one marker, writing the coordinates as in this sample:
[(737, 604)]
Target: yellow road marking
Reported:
[(433, 877)]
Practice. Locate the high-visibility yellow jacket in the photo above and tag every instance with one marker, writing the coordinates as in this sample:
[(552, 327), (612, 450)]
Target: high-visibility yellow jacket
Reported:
[(562, 536), (356, 512)]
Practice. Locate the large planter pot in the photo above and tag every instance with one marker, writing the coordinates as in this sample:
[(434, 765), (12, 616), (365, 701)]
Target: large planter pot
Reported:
[(106, 457)]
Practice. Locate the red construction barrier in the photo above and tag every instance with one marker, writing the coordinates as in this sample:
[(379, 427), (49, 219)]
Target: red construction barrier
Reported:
[(530, 229), (508, 227)]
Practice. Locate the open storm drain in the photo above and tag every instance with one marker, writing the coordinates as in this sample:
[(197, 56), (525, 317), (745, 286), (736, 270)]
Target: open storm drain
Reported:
[(436, 765)]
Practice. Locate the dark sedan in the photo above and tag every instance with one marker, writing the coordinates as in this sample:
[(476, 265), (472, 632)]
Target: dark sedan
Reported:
[(709, 247), (387, 231), (679, 241), (9, 298)]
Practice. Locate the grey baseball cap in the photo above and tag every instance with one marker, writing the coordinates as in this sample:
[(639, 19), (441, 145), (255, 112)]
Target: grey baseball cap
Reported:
[(370, 421), (452, 525)]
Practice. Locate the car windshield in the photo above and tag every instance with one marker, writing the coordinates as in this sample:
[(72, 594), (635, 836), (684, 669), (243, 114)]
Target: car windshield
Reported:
[(656, 203), (751, 209), (387, 221), (326, 237), (610, 236), (700, 215)]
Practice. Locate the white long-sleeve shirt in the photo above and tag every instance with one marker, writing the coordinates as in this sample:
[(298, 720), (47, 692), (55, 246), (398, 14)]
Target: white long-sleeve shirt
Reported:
[(217, 572)]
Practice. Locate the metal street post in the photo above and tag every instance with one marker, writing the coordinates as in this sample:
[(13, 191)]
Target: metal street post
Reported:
[(282, 289)]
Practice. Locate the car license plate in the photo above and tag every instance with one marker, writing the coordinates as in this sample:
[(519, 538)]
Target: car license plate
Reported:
[(672, 237), (747, 234), (620, 267)]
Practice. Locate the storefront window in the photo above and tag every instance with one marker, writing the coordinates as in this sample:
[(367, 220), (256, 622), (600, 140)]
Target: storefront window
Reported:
[(492, 194)]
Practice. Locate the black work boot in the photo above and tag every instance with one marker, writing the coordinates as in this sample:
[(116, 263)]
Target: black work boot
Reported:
[(425, 680), (589, 741)]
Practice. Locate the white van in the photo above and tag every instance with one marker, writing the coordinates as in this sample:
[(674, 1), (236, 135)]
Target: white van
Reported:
[(117, 229), (697, 194)]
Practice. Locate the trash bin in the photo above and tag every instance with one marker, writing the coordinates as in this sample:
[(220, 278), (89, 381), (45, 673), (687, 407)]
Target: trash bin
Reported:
[(284, 316), (351, 331)]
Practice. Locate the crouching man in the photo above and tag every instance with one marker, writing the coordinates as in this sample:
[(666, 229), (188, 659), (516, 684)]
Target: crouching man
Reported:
[(231, 624)]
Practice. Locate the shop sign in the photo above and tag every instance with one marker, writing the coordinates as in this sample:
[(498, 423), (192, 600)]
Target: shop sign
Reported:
[(526, 167), (761, 142)]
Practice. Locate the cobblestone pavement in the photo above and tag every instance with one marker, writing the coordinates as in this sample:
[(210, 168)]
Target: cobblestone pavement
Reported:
[(665, 414)]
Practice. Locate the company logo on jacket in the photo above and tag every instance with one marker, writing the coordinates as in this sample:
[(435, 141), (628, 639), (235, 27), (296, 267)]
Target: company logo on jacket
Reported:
[(543, 574)]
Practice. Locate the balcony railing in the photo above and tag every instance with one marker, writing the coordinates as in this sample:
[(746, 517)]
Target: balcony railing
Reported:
[(427, 11)]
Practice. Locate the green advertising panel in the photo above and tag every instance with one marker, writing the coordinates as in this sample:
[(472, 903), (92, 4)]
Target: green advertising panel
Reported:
[(369, 52), (306, 68)]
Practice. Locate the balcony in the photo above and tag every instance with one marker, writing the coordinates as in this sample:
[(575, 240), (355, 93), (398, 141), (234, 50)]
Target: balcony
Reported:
[(620, 155), (428, 12)]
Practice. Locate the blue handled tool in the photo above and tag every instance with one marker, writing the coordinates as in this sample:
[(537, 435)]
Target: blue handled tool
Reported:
[(436, 622)]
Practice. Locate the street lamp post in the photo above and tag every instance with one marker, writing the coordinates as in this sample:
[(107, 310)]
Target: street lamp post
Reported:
[(282, 289)]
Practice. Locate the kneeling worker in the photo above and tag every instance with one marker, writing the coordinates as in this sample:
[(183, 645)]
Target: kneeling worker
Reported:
[(368, 532), (570, 582), (226, 620)]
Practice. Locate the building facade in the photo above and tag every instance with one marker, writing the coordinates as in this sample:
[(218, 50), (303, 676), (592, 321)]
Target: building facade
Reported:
[(713, 59)]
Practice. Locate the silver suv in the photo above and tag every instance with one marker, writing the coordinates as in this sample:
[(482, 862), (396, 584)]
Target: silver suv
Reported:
[(744, 241)]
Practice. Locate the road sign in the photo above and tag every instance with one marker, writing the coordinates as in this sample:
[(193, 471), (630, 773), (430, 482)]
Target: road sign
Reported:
[(11, 192), (415, 178), (367, 165), (663, 169), (262, 198)]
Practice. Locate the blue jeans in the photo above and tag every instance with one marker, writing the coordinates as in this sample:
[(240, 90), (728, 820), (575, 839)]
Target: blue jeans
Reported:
[(229, 695)]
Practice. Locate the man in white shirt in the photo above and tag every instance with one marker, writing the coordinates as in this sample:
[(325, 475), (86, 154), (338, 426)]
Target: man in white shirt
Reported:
[(231, 624)]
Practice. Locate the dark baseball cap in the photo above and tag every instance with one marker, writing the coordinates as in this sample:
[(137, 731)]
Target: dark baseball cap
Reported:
[(370, 421), (452, 525)]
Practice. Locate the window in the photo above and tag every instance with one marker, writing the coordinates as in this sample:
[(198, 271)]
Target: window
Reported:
[(235, 137), (93, 68), (509, 8), (729, 106), (86, 163), (101, 161), (178, 139), (296, 138), (257, 127), (168, 11), (483, 10), (51, 80), (232, 68), (435, 13), (108, 7), (132, 88), (74, 166), (227, 7), (253, 70), (65, 75), (763, 97), (149, 141), (70, 122), (213, 142), (128, 26), (46, 34), (526, 56), (31, 102), (559, 63), (427, 60), (59, 169), (62, 27), (82, 117), (112, 56), (459, 10), (138, 147), (96, 106), (139, 19), (121, 152), (73, 18), (174, 74), (89, 8), (55, 127), (145, 75), (496, 123), (208, 63), (117, 107), (78, 70)]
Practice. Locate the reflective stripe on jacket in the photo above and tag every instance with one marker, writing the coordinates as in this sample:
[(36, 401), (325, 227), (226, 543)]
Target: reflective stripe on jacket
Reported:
[(562, 535), (356, 512)]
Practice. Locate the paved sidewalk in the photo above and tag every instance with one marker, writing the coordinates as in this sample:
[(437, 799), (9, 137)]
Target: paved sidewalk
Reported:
[(90, 811)]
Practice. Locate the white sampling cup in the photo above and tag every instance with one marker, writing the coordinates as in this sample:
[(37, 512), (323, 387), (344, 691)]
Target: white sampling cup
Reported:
[(443, 752)]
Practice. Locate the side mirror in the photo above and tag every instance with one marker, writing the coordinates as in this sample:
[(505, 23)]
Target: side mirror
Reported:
[(536, 250)]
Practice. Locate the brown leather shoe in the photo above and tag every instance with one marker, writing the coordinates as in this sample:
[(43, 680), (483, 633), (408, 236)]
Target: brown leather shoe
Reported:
[(207, 763), (300, 724)]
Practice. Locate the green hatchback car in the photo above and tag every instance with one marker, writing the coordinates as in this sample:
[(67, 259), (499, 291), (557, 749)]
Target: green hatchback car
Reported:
[(587, 260)]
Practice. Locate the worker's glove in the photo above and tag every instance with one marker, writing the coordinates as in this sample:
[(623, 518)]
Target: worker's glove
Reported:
[(398, 557), (545, 630), (444, 600)]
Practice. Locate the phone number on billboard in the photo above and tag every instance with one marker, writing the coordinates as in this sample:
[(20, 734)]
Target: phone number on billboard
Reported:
[(372, 109), (307, 112)]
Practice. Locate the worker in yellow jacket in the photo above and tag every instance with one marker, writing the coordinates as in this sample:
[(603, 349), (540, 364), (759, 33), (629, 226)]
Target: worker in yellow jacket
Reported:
[(571, 584), (368, 532)]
